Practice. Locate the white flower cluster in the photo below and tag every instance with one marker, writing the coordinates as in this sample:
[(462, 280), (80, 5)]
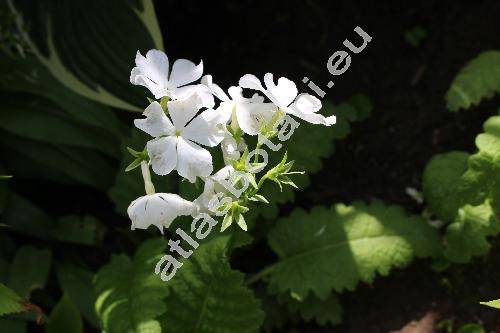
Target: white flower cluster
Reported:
[(185, 121)]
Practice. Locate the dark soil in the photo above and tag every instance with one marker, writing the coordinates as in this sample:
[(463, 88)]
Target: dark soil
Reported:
[(387, 152)]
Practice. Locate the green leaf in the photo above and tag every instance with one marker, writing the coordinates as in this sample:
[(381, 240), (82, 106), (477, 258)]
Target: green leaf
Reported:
[(76, 283), (29, 270), (471, 328), (207, 296), (33, 159), (441, 181), (41, 120), (64, 318), (494, 304), (90, 46), (129, 295), (10, 302), (28, 75), (327, 311), (80, 230), (24, 216), (478, 80), (467, 236), (348, 244)]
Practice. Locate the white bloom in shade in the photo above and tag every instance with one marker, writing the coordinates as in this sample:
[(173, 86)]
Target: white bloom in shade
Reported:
[(152, 72), (230, 148), (284, 96), (213, 189), (247, 113), (176, 142), (158, 209)]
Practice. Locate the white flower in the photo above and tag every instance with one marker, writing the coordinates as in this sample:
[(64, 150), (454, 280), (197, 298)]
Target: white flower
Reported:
[(284, 96), (213, 189), (176, 144), (158, 209), (230, 148), (152, 72), (249, 114)]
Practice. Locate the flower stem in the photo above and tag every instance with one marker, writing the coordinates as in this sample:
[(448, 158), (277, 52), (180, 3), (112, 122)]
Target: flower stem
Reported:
[(148, 184)]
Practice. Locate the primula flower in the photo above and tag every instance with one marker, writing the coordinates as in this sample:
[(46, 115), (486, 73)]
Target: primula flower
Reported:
[(213, 189), (152, 72), (158, 209), (249, 114), (284, 96), (176, 142)]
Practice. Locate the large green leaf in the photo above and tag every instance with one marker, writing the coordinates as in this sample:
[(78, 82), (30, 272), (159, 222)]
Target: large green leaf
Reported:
[(467, 236), (130, 297), (80, 230), (454, 179), (478, 80), (336, 248), (29, 270), (207, 296), (64, 318), (90, 45), (28, 75), (441, 181), (33, 159)]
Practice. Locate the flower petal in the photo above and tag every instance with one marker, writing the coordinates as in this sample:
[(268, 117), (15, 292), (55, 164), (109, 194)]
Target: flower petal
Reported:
[(306, 107), (183, 110), (207, 99), (192, 160), (151, 71), (214, 88), (250, 81), (156, 122), (281, 94), (207, 129), (184, 72), (251, 117), (158, 209), (163, 154)]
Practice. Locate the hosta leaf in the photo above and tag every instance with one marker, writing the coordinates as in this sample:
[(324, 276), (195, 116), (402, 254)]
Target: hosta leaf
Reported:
[(336, 248), (207, 296), (28, 75), (129, 295), (10, 302), (56, 162), (90, 45), (29, 270), (64, 318), (39, 119), (467, 236), (478, 80)]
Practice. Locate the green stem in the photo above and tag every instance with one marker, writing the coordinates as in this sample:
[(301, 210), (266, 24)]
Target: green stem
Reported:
[(148, 184)]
